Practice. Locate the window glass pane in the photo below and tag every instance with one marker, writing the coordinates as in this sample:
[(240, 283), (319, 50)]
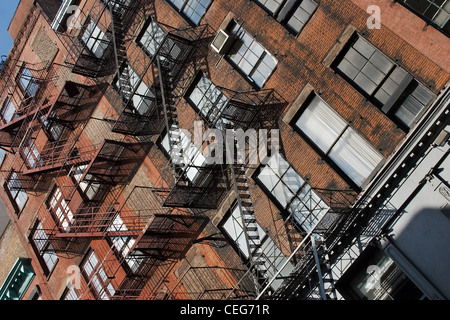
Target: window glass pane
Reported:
[(355, 156), (321, 124), (8, 111)]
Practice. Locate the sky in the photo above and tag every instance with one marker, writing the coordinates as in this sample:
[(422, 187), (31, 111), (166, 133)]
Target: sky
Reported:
[(7, 9)]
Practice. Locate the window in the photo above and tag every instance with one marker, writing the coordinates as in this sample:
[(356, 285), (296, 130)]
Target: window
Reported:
[(293, 16), (90, 188), (124, 244), (28, 83), (388, 86), (53, 129), (250, 57), (375, 276), (338, 141), (435, 11), (70, 294), (194, 10), (31, 154), (152, 37), (208, 99), (191, 155), (155, 40), (96, 276), (95, 39), (16, 193), (60, 208), (291, 192), (43, 248), (9, 111), (273, 257), (143, 99), (2, 156)]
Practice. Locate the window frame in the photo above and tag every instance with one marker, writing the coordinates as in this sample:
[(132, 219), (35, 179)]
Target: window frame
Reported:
[(5, 108), (141, 97), (38, 227), (85, 32), (105, 291), (296, 195), (60, 209), (402, 92), (238, 32), (283, 14), (208, 116), (181, 10), (32, 83), (325, 155), (18, 208), (424, 18), (122, 245), (268, 247)]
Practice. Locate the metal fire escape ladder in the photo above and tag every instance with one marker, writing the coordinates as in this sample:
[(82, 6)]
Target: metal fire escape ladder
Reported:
[(249, 224), (170, 117), (120, 53)]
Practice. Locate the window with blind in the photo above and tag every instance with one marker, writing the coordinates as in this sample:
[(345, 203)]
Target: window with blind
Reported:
[(384, 83), (291, 192), (339, 142), (291, 14)]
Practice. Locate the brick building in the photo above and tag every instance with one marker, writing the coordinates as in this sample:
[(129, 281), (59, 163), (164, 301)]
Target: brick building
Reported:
[(107, 187)]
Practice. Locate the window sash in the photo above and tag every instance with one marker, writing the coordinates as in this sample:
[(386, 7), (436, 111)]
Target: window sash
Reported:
[(18, 195), (208, 99), (27, 82), (153, 38), (124, 244), (293, 16)]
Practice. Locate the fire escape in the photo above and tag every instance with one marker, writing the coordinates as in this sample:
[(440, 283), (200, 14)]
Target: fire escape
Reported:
[(137, 247)]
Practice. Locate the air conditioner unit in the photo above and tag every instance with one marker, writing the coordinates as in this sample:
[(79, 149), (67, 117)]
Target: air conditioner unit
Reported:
[(222, 42)]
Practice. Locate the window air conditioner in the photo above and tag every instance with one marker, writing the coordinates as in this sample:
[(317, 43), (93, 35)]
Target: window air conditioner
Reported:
[(222, 42)]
